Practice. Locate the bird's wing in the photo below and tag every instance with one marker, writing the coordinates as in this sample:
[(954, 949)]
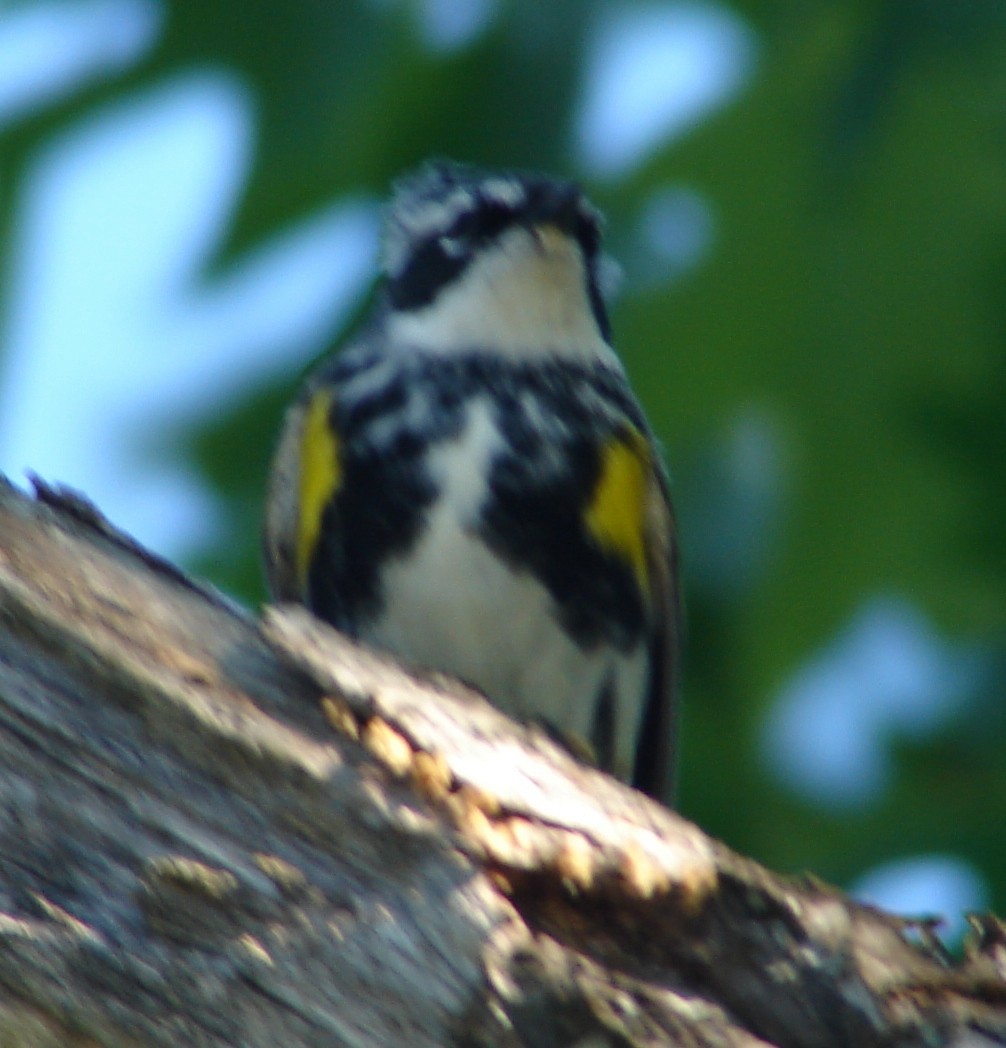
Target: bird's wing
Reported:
[(654, 771)]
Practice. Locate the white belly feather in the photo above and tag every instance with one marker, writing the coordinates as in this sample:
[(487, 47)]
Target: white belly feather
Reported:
[(452, 604)]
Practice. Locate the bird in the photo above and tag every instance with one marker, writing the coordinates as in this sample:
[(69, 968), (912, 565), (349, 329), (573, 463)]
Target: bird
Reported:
[(470, 483)]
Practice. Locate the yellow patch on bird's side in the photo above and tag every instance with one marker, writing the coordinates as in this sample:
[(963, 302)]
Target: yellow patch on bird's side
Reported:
[(616, 516), (320, 473)]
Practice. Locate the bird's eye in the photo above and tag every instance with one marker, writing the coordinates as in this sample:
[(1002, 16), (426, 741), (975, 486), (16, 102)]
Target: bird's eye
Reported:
[(475, 227), (492, 219)]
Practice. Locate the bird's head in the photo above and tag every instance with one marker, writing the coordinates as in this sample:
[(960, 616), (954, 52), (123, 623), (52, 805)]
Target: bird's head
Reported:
[(500, 261)]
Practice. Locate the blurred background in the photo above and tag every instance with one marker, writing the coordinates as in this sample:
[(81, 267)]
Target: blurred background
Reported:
[(808, 199)]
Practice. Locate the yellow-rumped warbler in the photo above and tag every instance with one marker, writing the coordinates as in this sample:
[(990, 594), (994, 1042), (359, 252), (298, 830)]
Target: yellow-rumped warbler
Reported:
[(471, 484)]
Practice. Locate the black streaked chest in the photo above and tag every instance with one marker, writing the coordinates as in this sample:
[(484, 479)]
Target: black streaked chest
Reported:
[(510, 451)]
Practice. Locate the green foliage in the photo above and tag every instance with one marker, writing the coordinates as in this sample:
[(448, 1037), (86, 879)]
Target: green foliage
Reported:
[(850, 315)]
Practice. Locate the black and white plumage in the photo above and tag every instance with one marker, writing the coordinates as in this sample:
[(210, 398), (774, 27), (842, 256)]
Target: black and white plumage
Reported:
[(471, 484)]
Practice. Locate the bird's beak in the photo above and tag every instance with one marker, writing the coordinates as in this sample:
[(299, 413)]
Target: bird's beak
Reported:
[(550, 239)]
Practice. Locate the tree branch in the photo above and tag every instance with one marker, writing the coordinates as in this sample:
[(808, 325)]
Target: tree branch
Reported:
[(217, 831)]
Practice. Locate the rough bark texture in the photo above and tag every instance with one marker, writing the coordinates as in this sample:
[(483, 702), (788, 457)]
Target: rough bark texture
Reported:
[(217, 831)]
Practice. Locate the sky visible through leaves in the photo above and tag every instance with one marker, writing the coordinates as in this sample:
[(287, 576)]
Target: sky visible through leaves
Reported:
[(806, 203)]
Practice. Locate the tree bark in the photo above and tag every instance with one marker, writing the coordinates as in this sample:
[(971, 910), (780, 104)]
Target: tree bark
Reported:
[(222, 831)]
